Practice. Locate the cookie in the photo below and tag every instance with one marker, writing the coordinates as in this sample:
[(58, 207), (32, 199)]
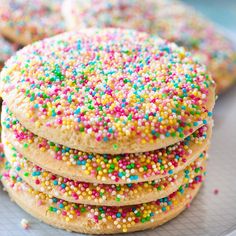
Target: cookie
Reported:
[(26, 21), (98, 220), (128, 14), (108, 169), (169, 19), (108, 91), (98, 194)]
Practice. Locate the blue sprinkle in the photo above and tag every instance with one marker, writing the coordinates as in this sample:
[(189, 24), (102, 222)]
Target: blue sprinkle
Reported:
[(153, 132), (81, 163), (79, 45), (169, 203), (110, 130), (77, 111), (118, 215), (54, 200), (120, 174), (36, 173), (181, 190), (163, 208), (19, 179), (133, 177), (63, 186), (197, 178), (69, 99), (188, 138)]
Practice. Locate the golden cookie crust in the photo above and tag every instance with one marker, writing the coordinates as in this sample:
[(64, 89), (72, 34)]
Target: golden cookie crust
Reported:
[(84, 223), (34, 149), (85, 193)]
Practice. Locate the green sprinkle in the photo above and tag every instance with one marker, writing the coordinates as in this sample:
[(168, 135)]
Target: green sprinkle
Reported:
[(25, 145)]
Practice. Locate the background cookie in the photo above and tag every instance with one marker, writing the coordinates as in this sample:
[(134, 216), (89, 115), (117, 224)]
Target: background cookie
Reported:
[(26, 21), (169, 19), (181, 24), (113, 91), (128, 14), (6, 50)]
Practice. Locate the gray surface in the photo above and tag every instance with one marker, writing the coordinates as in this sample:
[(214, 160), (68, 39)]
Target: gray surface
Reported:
[(209, 214)]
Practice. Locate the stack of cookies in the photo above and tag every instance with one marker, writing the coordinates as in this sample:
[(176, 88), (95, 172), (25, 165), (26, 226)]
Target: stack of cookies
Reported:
[(105, 131)]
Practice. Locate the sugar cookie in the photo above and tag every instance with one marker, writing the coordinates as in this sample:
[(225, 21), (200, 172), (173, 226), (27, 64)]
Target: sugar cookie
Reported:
[(108, 91)]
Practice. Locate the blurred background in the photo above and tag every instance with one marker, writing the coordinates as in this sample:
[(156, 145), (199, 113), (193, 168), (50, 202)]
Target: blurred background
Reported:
[(222, 12)]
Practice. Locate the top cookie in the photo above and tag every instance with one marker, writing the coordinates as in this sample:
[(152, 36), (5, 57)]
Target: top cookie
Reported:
[(108, 91), (26, 21)]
